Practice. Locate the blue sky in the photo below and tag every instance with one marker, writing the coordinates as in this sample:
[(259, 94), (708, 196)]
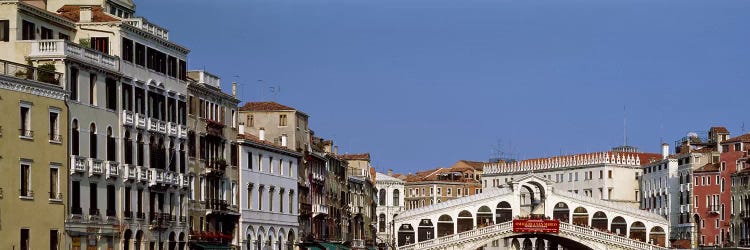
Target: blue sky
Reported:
[(423, 83)]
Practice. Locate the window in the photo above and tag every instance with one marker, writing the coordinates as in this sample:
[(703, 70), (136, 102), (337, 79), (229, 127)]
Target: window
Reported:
[(93, 200), (260, 198), (26, 191), (111, 201), (25, 126), (381, 223), (47, 33), (140, 54), (601, 174), (609, 173), (249, 196), (233, 194), (111, 145), (260, 163), (92, 89), (4, 30), (128, 212), (576, 176), (396, 197), (291, 173), (282, 120), (270, 164), (171, 66), (250, 120), (92, 141), (54, 126), (448, 191), (183, 70), (28, 30), (111, 89), (74, 84), (54, 183), (381, 197), (291, 198), (127, 49), (25, 244), (203, 188), (101, 44), (250, 160), (53, 241), (63, 36)]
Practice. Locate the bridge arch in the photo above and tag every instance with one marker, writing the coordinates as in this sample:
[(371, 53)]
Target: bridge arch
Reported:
[(599, 221), (425, 230), (484, 216), (405, 235), (561, 212), (465, 221), (638, 231), (657, 236), (619, 226), (581, 217)]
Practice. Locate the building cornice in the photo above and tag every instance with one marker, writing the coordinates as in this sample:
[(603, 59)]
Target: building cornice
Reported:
[(215, 93), (32, 87), (43, 14)]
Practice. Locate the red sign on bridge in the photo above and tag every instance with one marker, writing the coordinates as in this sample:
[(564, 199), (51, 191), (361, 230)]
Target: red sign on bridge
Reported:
[(536, 226)]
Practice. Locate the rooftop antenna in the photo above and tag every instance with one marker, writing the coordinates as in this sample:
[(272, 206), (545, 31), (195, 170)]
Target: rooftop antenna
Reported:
[(743, 128), (260, 85)]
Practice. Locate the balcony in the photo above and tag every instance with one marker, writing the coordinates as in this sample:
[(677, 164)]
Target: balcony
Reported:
[(113, 169), (319, 209), (94, 214), (184, 182), (143, 174), (131, 172), (172, 129), (48, 49), (183, 131), (96, 167), (17, 70), (217, 166), (216, 205), (714, 209), (162, 127), (153, 124), (128, 118), (145, 25), (78, 164), (140, 121), (155, 177)]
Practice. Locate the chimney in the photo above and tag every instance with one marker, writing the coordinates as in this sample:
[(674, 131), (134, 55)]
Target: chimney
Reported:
[(241, 130), (234, 89), (262, 134), (664, 150), (390, 172), (86, 14), (336, 149), (283, 140)]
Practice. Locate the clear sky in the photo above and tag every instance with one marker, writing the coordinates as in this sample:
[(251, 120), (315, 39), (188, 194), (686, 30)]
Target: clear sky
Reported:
[(423, 83)]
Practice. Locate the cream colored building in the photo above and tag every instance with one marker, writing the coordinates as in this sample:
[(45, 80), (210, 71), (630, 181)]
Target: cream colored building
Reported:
[(33, 157)]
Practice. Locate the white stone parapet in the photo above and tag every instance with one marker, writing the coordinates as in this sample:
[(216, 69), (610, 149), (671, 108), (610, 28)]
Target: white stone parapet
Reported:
[(619, 158)]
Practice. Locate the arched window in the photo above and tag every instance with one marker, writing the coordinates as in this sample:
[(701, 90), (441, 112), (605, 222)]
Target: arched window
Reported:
[(381, 223), (75, 145), (139, 154), (381, 197), (111, 148), (396, 197), (128, 148), (92, 141)]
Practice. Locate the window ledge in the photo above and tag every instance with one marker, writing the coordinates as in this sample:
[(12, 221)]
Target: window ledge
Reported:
[(26, 197), (55, 201), (55, 142), (29, 138)]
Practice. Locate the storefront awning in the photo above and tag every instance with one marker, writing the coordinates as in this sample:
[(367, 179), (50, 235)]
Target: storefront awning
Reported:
[(334, 246)]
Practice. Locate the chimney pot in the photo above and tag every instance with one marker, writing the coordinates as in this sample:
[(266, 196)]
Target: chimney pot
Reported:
[(664, 150), (86, 14), (262, 134), (283, 140)]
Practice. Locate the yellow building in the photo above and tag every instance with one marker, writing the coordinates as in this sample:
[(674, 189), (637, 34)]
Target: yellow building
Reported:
[(33, 158)]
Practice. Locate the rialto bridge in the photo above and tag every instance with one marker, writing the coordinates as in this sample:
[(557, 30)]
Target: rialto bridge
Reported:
[(487, 221)]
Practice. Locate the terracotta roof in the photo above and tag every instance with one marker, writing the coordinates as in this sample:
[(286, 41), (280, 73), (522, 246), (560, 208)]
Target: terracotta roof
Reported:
[(477, 165), (741, 138), (257, 140), (73, 13), (362, 157), (265, 106), (710, 167), (722, 130)]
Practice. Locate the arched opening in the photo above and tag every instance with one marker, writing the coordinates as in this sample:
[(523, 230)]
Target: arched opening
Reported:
[(75, 140), (540, 245), (515, 244), (445, 225), (426, 230), (657, 236), (484, 216), (405, 235), (381, 197), (126, 238), (581, 217), (182, 240), (619, 226), (527, 244), (128, 158), (138, 240), (503, 212), (111, 145), (465, 221), (381, 223), (140, 148), (92, 141), (396, 197), (280, 240), (249, 236), (561, 212), (638, 231), (290, 240), (599, 221), (172, 241)]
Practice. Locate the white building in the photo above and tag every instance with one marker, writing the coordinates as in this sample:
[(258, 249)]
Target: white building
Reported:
[(268, 194), (611, 176), (660, 186), (390, 200)]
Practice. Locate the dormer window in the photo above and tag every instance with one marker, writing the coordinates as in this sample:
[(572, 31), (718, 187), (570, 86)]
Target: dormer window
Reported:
[(738, 146)]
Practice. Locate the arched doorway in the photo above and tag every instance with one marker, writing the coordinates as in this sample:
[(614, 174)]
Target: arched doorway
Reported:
[(540, 244), (138, 240), (514, 244), (561, 212), (126, 238), (182, 240), (465, 221), (172, 241), (445, 225), (405, 235), (599, 221), (581, 217), (619, 226), (657, 236), (638, 231), (484, 216), (290, 240), (503, 212), (527, 244), (425, 230)]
